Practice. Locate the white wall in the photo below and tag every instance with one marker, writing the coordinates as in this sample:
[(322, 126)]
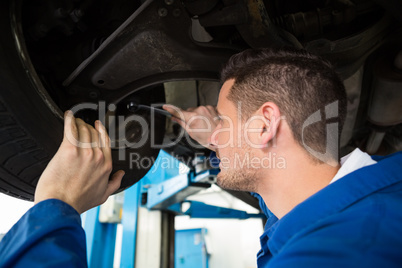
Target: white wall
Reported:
[(231, 242), (11, 210)]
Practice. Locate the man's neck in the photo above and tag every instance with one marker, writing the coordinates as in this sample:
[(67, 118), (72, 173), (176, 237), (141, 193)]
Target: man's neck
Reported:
[(284, 188)]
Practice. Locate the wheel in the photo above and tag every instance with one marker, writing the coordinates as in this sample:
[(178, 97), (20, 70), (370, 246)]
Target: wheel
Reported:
[(30, 131), (31, 122)]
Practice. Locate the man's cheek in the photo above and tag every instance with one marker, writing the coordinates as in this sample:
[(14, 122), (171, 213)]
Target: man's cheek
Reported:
[(224, 137), (225, 162)]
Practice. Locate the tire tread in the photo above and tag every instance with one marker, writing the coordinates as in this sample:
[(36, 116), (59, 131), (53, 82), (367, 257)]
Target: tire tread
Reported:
[(21, 157)]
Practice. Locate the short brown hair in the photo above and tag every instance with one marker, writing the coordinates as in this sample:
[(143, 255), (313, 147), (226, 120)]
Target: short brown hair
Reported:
[(298, 82)]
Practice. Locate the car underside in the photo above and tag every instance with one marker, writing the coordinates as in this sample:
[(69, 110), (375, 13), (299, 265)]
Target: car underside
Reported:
[(109, 55)]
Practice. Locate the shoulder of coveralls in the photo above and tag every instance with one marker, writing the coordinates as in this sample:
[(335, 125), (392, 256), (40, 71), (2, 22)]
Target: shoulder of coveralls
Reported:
[(366, 232), (42, 219)]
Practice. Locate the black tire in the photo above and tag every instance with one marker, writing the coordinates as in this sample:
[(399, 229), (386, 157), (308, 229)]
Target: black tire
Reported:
[(31, 125), (30, 132)]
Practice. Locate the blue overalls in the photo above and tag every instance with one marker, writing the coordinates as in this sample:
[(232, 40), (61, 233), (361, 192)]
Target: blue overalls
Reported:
[(353, 222)]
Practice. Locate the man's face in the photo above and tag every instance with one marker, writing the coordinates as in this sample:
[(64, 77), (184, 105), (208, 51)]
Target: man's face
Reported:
[(232, 148)]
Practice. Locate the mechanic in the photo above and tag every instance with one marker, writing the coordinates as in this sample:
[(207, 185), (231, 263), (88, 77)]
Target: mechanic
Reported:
[(322, 212)]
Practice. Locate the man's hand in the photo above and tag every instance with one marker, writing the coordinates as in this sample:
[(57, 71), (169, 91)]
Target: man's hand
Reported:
[(199, 122), (79, 172)]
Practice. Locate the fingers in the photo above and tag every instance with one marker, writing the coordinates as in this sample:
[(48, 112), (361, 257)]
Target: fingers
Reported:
[(177, 113), (104, 140), (95, 138), (83, 135), (212, 110), (180, 122), (171, 109), (70, 128), (114, 183), (87, 135)]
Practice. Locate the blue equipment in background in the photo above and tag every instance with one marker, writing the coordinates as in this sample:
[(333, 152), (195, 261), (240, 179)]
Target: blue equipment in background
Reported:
[(165, 187)]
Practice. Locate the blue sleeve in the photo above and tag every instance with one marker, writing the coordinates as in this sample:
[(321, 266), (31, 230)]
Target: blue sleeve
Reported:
[(48, 235)]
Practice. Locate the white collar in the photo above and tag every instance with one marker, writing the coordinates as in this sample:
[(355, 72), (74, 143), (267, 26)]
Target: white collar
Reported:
[(351, 162)]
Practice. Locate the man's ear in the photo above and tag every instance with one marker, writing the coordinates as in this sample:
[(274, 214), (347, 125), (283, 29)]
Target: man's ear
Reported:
[(271, 119)]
